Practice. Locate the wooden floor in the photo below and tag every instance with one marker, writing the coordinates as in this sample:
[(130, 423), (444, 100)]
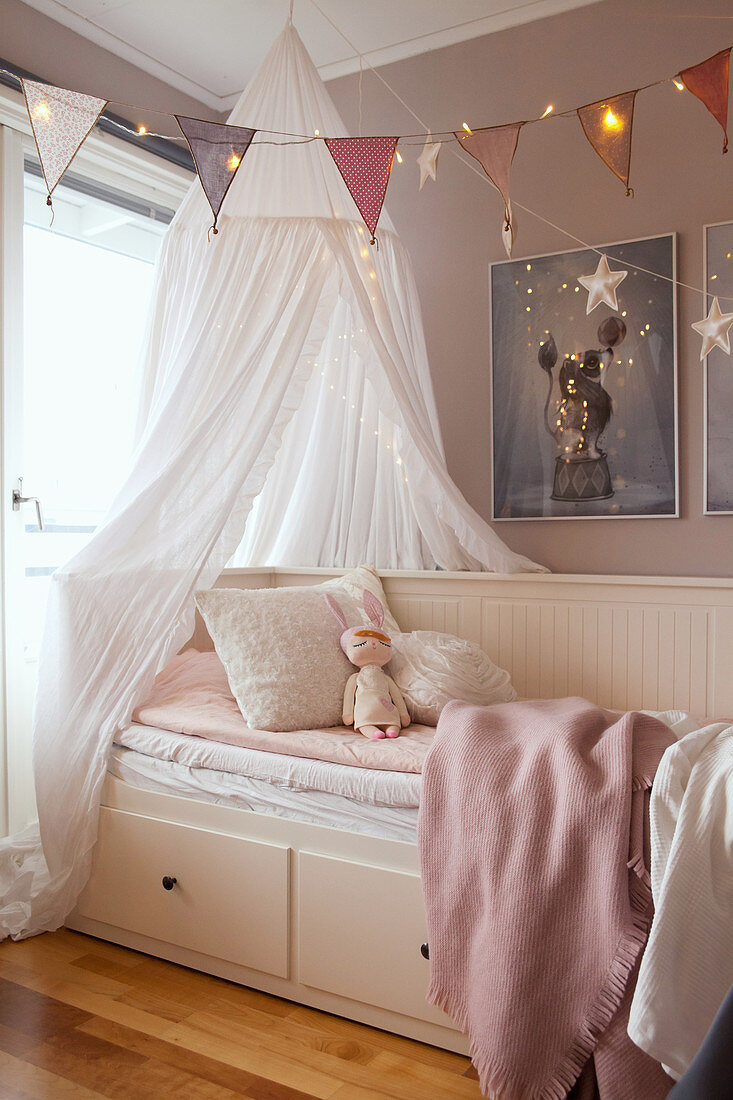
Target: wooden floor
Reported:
[(83, 1018)]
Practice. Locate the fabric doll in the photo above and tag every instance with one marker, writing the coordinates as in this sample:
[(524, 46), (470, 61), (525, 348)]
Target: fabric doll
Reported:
[(372, 700)]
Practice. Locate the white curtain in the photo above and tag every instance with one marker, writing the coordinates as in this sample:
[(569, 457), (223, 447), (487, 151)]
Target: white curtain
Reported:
[(233, 401)]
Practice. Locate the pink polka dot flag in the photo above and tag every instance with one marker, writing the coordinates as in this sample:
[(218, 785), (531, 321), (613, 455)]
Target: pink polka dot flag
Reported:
[(365, 165)]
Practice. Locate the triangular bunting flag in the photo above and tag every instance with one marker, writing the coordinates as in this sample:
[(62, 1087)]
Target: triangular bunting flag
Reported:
[(608, 125), (709, 82), (217, 150), (365, 165), (494, 149), (60, 120)]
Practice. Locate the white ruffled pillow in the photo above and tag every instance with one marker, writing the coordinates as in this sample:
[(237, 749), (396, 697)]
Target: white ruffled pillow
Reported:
[(430, 669)]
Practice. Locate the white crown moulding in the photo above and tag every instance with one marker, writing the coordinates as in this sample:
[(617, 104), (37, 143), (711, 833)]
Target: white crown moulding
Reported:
[(508, 16)]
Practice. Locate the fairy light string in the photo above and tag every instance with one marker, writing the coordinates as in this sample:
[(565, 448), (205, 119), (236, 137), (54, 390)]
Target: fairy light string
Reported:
[(437, 137)]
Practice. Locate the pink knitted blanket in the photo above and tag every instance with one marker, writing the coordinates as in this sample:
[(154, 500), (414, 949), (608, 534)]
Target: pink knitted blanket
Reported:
[(531, 838)]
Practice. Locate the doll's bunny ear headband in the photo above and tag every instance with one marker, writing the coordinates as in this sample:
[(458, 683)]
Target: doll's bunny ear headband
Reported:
[(372, 606), (336, 611)]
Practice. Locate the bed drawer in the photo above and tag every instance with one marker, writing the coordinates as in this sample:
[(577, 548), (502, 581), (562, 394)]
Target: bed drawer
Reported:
[(360, 930), (230, 898)]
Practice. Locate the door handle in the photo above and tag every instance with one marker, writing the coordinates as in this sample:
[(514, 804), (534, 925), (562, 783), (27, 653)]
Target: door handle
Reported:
[(19, 499)]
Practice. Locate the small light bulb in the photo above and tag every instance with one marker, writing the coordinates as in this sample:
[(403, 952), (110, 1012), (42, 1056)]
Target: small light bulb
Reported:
[(142, 130), (611, 121), (548, 110), (233, 162), (467, 128), (678, 84), (317, 133), (398, 154), (42, 110)]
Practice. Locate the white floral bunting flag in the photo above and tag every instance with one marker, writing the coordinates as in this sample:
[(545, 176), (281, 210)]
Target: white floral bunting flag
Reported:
[(60, 120)]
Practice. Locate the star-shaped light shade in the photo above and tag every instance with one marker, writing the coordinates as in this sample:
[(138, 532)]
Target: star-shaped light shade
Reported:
[(428, 161), (714, 330), (602, 285), (509, 230)]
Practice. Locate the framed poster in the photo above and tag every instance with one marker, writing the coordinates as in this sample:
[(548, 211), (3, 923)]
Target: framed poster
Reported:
[(584, 406), (718, 460)]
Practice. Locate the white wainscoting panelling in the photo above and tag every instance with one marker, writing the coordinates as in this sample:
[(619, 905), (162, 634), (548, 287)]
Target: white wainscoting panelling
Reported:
[(624, 642)]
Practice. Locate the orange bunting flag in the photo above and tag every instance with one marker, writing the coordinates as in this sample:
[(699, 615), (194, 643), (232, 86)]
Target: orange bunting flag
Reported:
[(217, 150), (60, 120), (709, 82), (607, 125), (494, 148), (365, 165)]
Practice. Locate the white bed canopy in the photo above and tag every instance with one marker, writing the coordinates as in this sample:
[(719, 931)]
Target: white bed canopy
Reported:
[(285, 367)]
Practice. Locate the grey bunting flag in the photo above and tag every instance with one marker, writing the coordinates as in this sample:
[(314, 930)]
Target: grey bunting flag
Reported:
[(218, 151)]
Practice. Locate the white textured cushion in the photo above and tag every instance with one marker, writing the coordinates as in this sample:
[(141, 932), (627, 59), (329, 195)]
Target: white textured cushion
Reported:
[(430, 669), (280, 648)]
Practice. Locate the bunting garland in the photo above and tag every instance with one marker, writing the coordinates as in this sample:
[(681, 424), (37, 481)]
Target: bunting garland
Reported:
[(217, 151), (709, 82), (365, 164), (607, 125), (60, 120), (494, 149)]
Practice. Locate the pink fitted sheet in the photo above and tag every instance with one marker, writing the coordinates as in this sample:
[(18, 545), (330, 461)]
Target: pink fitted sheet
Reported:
[(192, 696)]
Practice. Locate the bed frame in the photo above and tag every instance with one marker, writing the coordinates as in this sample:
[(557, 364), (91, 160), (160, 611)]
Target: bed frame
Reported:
[(333, 919)]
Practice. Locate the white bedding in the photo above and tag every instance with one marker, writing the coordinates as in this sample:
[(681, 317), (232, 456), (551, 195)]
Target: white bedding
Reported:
[(379, 803), (359, 800)]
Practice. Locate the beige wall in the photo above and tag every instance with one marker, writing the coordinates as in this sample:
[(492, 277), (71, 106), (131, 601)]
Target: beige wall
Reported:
[(451, 230)]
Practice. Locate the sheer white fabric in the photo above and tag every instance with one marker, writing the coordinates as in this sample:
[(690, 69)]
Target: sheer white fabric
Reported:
[(234, 403)]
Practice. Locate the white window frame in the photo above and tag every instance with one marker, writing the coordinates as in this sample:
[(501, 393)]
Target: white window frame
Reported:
[(113, 163)]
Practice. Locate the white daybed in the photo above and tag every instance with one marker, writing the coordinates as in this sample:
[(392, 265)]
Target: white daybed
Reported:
[(334, 919)]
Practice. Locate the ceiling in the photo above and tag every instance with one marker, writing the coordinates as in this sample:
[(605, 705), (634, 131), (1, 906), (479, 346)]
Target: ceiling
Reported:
[(210, 48)]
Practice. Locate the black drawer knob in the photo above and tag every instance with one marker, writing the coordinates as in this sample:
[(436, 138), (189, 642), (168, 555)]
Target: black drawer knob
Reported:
[(425, 950), (168, 882)]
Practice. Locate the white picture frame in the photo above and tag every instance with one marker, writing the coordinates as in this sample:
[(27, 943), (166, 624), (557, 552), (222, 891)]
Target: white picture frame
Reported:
[(718, 377), (645, 480)]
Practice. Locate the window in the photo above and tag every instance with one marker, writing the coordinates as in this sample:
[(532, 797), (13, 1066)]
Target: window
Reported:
[(87, 284)]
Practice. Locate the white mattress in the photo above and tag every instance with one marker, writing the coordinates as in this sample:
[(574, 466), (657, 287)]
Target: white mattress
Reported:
[(359, 800)]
